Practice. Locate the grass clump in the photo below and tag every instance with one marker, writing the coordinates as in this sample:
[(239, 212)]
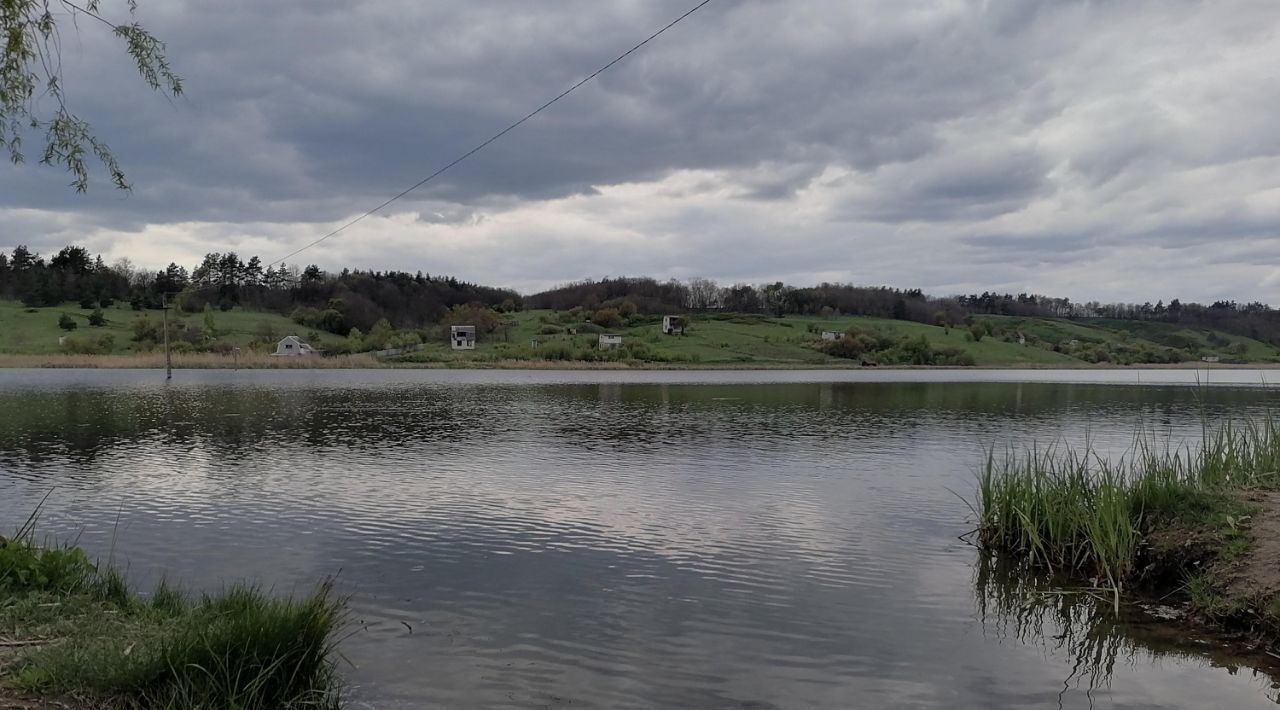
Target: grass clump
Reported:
[(93, 639), (1074, 512)]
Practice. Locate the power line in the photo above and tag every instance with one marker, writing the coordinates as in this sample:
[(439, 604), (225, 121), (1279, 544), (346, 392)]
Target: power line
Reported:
[(495, 137)]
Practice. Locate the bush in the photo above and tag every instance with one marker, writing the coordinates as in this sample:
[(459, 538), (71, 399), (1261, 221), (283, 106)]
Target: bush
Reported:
[(550, 330), (88, 302), (106, 302), (96, 319), (145, 329), (89, 345), (66, 322), (607, 318)]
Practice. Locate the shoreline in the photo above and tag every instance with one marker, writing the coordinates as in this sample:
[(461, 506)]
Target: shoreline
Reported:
[(212, 361)]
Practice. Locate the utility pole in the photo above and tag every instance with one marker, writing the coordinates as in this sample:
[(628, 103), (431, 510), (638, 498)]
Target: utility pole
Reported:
[(168, 360)]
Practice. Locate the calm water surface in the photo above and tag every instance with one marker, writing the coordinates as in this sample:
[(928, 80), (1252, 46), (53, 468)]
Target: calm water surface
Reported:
[(621, 540)]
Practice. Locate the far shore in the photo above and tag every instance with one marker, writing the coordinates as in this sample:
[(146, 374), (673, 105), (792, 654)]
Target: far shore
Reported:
[(254, 361)]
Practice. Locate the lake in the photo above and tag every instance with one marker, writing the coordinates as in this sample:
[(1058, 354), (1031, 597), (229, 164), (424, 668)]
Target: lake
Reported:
[(623, 539)]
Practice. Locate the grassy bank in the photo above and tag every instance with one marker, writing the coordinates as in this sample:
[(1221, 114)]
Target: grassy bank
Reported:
[(1200, 524), (79, 636)]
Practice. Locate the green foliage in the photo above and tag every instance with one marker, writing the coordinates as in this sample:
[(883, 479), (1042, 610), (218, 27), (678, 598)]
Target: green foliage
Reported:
[(66, 322), (27, 567), (146, 330), (885, 349), (97, 319), (31, 67), (210, 325)]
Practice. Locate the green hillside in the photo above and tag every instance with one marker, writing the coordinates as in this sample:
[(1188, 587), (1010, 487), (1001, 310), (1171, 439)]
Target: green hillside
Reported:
[(726, 339), (714, 339), (35, 331)]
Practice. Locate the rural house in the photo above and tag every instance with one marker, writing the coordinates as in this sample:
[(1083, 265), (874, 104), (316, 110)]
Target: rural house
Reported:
[(292, 346), (609, 340), (673, 325), (462, 337), (831, 335)]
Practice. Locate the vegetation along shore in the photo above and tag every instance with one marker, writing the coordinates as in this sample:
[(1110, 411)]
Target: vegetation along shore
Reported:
[(73, 635), (1197, 526)]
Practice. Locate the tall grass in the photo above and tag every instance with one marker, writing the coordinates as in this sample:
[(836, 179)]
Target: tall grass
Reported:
[(237, 649), (1073, 511), (97, 639)]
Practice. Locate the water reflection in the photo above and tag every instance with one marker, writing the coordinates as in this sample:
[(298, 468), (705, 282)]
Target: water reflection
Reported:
[(595, 542), (1082, 625)]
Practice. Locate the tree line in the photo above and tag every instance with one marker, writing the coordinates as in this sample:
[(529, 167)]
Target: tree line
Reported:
[(332, 302), (1255, 320)]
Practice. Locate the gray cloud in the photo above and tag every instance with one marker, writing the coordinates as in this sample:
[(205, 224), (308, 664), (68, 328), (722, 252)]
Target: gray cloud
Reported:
[(878, 142)]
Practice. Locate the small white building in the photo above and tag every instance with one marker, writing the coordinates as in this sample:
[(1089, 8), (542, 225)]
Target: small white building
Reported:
[(832, 335), (609, 340), (293, 346), (673, 325), (462, 337), (1211, 358)]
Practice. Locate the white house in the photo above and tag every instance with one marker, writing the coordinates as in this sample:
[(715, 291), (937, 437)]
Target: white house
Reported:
[(1211, 358), (462, 337), (832, 335), (609, 340), (673, 325), (292, 346)]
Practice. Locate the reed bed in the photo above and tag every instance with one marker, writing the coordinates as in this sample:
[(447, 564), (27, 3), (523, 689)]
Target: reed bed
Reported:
[(1073, 511)]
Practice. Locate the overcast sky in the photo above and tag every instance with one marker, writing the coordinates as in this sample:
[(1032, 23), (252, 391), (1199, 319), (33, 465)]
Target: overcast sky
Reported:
[(1111, 150)]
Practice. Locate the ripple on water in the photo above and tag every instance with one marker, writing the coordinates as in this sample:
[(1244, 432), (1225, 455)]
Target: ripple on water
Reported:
[(594, 545)]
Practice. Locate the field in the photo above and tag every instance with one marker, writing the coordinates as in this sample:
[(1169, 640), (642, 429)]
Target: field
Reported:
[(35, 331), (31, 337), (727, 339)]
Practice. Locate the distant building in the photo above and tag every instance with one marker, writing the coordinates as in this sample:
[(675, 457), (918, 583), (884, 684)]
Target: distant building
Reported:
[(293, 346), (673, 325), (1022, 339), (609, 340), (831, 335), (1210, 358), (462, 337)]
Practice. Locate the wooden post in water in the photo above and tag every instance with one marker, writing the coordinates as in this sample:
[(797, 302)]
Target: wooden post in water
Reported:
[(168, 360)]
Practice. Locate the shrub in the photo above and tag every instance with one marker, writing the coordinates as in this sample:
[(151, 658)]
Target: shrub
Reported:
[(106, 302), (607, 318), (88, 302), (96, 318), (89, 345), (66, 322), (550, 330), (145, 329)]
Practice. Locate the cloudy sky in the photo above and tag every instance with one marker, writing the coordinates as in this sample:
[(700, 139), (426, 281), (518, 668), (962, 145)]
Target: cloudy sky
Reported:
[(1111, 150)]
